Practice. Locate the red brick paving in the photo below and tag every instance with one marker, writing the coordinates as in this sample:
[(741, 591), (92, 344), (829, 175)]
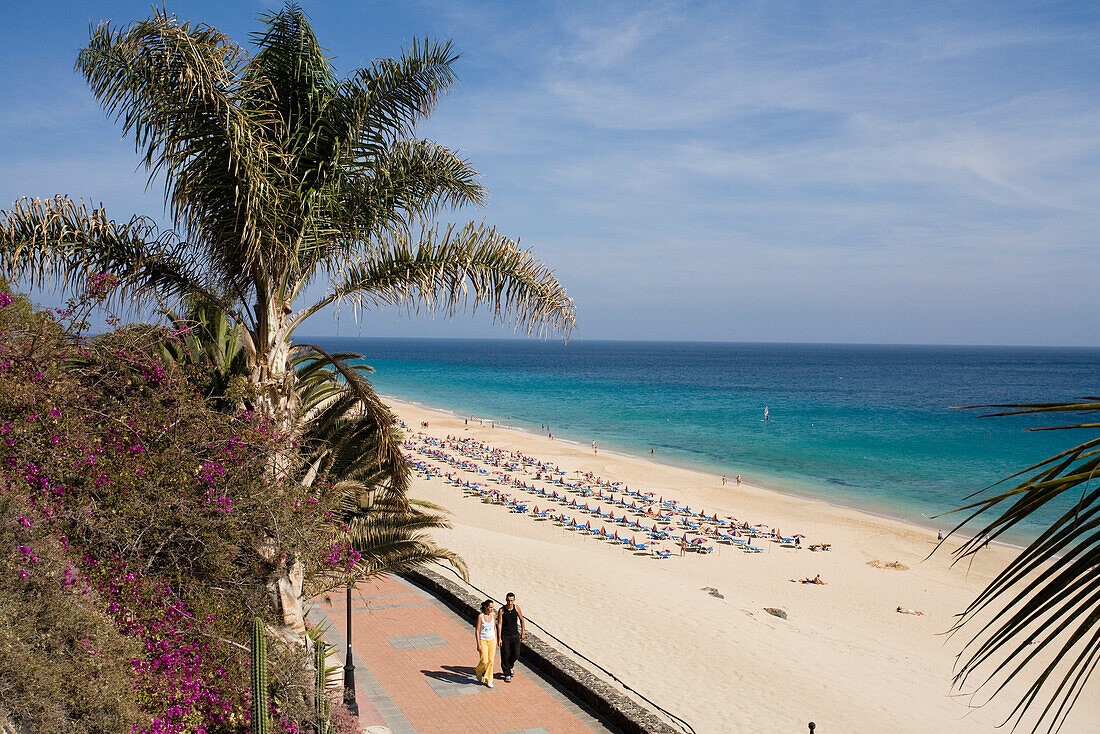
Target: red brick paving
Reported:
[(521, 704)]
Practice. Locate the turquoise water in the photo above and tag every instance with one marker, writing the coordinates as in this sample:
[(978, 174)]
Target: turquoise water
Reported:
[(863, 426)]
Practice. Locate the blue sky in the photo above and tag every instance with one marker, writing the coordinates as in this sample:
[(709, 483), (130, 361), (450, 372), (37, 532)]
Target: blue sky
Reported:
[(828, 172)]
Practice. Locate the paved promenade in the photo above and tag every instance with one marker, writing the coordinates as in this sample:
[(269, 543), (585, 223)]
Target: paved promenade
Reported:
[(414, 664)]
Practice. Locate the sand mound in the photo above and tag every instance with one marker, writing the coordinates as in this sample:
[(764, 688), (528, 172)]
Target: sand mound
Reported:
[(895, 565)]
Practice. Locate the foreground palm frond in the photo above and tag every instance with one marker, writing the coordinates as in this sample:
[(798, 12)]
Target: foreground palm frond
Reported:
[(204, 339), (1055, 614), (179, 89)]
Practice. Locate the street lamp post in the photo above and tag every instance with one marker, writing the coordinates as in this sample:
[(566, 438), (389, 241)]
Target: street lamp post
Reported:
[(365, 502), (349, 668)]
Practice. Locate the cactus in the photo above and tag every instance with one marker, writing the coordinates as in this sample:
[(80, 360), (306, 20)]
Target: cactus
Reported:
[(260, 715), (320, 700)]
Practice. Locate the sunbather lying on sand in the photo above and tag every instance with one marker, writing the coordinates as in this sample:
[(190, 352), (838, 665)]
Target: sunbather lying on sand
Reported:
[(814, 580), (910, 611)]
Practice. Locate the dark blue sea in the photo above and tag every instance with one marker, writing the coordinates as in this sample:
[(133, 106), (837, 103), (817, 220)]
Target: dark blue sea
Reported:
[(870, 427)]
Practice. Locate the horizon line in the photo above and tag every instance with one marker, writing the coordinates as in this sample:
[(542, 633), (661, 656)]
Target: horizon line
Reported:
[(713, 341)]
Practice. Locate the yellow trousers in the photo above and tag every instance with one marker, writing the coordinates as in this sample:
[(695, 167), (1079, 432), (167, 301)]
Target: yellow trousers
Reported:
[(484, 669)]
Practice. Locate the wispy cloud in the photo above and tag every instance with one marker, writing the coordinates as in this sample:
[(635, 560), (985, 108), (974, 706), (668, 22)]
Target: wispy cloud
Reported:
[(807, 167), (928, 152)]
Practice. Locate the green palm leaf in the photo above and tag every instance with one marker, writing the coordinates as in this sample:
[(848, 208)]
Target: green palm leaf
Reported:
[(61, 242), (392, 539), (453, 270), (179, 89), (1039, 618), (374, 422)]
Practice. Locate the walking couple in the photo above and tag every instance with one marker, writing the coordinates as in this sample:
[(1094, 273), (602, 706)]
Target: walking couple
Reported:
[(504, 629)]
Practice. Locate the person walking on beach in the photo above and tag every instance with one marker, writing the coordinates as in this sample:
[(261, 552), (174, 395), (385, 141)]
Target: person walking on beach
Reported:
[(738, 480), (512, 630), (485, 636), (723, 480)]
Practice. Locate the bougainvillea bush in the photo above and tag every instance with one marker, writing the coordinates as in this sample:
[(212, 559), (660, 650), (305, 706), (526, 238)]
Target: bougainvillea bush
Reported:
[(138, 531)]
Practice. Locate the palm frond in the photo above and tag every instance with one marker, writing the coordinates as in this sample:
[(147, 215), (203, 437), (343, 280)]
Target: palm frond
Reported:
[(376, 417), (60, 242), (1040, 616), (391, 542), (1092, 405), (180, 90), (386, 99), (453, 271), (402, 184)]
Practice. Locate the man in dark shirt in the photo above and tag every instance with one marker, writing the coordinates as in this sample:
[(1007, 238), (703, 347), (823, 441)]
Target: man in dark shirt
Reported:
[(511, 629)]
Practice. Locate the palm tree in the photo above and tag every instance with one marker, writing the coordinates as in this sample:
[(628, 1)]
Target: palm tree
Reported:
[(1047, 600), (277, 174)]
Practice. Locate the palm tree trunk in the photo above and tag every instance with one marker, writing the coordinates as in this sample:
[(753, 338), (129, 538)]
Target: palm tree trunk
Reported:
[(271, 373), (277, 399)]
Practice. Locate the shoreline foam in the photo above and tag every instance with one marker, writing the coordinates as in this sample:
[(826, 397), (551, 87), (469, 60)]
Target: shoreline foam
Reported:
[(768, 487)]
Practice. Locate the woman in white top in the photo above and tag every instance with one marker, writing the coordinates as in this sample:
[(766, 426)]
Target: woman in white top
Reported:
[(485, 635)]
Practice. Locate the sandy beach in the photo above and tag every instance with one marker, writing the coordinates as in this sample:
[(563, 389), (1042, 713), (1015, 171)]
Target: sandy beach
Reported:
[(692, 633)]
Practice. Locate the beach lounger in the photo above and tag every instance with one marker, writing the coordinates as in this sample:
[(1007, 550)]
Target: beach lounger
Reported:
[(753, 549), (663, 554)]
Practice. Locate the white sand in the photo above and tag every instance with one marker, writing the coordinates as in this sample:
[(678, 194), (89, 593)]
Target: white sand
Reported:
[(843, 658)]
